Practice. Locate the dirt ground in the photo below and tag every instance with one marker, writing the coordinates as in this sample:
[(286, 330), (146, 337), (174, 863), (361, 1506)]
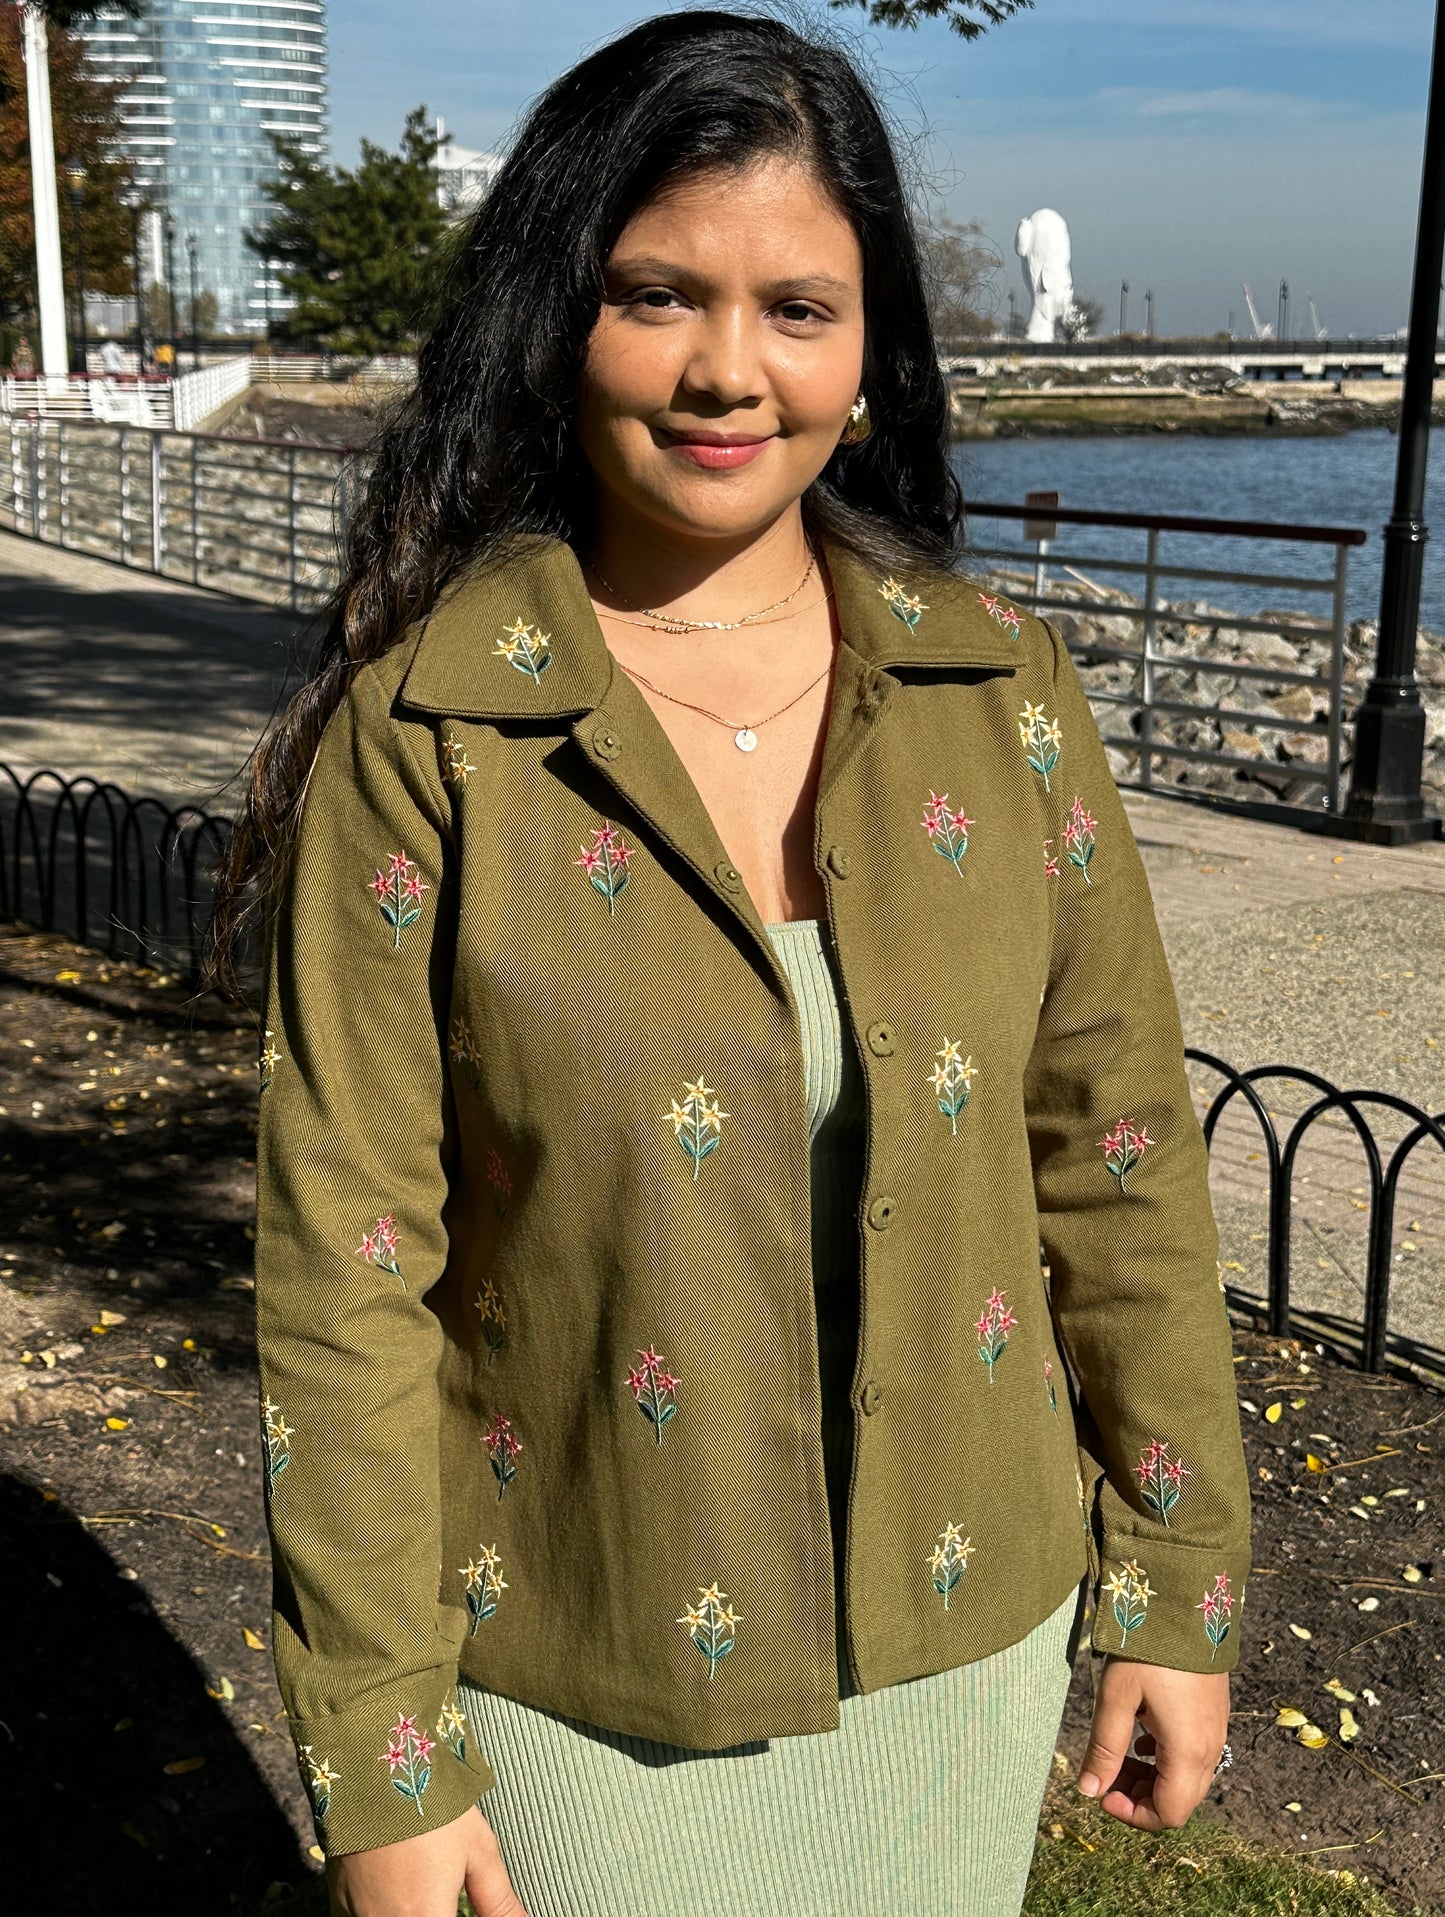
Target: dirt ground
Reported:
[(143, 1749)]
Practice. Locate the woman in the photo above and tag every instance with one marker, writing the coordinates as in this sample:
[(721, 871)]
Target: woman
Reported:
[(676, 1457)]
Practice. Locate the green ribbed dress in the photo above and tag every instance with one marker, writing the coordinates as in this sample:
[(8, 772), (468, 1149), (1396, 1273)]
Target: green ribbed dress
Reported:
[(926, 1797)]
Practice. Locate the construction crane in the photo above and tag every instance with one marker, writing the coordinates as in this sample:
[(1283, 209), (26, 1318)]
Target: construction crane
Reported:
[(1320, 332), (1263, 329)]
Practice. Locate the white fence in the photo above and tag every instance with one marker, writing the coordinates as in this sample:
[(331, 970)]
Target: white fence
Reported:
[(121, 400)]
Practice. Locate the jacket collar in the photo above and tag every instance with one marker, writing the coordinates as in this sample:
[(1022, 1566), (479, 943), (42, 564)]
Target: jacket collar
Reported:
[(519, 639)]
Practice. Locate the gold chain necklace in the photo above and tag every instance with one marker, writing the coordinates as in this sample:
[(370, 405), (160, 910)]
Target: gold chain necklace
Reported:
[(658, 621), (745, 737)]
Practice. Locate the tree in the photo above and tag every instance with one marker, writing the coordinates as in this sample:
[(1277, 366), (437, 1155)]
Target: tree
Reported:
[(1082, 320), (960, 269), (86, 114), (961, 15), (352, 247)]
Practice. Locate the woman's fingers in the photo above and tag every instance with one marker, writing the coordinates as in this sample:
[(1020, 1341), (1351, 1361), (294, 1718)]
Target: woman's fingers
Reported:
[(488, 1884), (1111, 1731)]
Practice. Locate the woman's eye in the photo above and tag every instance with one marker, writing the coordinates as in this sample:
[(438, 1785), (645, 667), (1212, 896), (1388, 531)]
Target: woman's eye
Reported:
[(798, 312), (658, 298)]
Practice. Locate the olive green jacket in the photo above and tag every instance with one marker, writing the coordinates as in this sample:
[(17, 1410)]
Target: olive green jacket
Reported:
[(538, 1349)]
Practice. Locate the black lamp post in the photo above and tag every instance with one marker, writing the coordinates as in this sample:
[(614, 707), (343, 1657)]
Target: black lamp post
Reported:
[(134, 204), (1013, 314), (1283, 311), (75, 192), (170, 232), (1149, 314), (195, 321), (1123, 309), (1384, 802)]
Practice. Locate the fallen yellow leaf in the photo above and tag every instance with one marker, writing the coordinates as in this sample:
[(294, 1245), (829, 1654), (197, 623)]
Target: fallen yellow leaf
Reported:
[(1298, 1404), (1334, 1684), (1291, 1719), (67, 978), (256, 1643), (1294, 1806), (182, 1765), (1300, 1631), (1412, 1574), (116, 1424), (315, 1850), (226, 1689), (1314, 1463), (1274, 1412), (158, 1361), (1312, 1737), (112, 1317), (136, 1835), (1348, 1726)]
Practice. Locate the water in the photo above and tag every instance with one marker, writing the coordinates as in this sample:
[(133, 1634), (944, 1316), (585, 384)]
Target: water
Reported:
[(1344, 481)]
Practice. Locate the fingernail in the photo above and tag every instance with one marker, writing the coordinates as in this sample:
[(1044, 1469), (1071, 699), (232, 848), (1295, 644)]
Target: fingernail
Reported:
[(1089, 1784)]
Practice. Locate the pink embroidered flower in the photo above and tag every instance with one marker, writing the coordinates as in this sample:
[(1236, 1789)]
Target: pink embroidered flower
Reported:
[(406, 1758), (379, 1247), (1005, 615), (1123, 1148), (1049, 1384), (1079, 837), (1160, 1477), (1217, 1606), (1051, 860), (398, 893), (499, 1181), (948, 830), (993, 1328), (605, 862), (654, 1389), (502, 1448)]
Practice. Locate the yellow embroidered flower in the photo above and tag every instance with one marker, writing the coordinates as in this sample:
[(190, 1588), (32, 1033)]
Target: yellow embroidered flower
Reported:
[(455, 763)]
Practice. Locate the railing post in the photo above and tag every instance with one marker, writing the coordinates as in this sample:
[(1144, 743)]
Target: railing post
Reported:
[(293, 528), (122, 485), (195, 446), (1151, 628), (158, 537), (63, 428), (36, 514), (1338, 627)]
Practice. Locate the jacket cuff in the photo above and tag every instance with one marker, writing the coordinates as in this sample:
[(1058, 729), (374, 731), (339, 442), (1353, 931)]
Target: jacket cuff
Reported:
[(1169, 1603), (390, 1767)]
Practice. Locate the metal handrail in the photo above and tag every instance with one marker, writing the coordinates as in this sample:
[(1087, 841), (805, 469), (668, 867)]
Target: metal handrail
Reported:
[(1175, 522)]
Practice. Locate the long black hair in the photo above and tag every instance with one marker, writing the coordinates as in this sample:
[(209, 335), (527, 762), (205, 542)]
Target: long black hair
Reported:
[(483, 447)]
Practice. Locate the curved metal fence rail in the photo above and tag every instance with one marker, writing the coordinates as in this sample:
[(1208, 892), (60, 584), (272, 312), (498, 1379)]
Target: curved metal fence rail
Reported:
[(131, 876), (1374, 1339)]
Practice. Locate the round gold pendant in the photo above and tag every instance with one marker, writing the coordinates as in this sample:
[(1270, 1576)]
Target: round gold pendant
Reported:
[(745, 739)]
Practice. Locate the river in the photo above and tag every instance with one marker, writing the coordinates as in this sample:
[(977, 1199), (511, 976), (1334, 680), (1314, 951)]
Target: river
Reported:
[(1346, 480)]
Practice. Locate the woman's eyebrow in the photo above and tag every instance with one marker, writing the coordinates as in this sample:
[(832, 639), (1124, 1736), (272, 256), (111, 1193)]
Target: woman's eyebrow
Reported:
[(649, 266)]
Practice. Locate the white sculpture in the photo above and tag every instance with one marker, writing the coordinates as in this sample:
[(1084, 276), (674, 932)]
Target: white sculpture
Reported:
[(1042, 243)]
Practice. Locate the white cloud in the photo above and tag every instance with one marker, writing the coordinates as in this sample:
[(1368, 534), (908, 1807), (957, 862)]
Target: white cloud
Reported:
[(1214, 104)]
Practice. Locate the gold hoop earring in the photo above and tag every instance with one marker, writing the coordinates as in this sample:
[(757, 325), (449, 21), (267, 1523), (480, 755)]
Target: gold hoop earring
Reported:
[(859, 425)]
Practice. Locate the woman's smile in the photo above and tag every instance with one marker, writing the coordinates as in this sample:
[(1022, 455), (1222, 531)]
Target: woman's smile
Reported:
[(715, 452)]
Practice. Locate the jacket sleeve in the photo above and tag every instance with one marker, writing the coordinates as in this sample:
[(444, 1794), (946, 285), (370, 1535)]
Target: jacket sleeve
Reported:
[(1121, 1179), (354, 1135)]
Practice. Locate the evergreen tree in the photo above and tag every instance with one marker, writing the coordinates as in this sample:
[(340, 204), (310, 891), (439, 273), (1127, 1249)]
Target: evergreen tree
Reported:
[(968, 18), (352, 247)]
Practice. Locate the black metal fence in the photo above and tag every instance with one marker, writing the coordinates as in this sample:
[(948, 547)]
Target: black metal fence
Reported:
[(132, 876), (85, 858)]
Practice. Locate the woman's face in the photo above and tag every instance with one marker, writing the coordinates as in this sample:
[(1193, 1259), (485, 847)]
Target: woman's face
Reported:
[(727, 353)]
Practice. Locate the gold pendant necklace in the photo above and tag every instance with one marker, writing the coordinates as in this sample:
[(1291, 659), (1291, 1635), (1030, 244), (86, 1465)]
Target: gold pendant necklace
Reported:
[(658, 621), (745, 737)]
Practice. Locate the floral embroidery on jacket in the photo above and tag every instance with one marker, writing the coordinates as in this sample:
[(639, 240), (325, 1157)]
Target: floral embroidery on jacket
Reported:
[(1216, 1606), (278, 1435), (605, 862), (502, 1448), (500, 1182), (993, 1328), (1042, 739), (949, 1560), (526, 647), (408, 1754), (907, 607), (319, 1779), (1049, 1382), (711, 1625), (455, 763), (398, 893), (1005, 615), (452, 1729), (484, 1584), (1123, 1148), (494, 1319), (1079, 837), (950, 1079), (466, 1052), (1130, 1589), (696, 1124), (947, 830), (266, 1063), (654, 1389), (1160, 1477), (1051, 860), (379, 1247)]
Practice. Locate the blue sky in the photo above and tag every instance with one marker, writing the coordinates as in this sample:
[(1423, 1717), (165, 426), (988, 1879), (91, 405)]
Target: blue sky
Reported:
[(1191, 144)]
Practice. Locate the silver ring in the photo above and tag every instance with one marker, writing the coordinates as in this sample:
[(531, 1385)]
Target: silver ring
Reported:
[(1226, 1758)]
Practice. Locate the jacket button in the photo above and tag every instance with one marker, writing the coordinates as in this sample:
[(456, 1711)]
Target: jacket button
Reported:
[(605, 742), (726, 873), (880, 1212), (880, 1038), (872, 1396), (840, 862)]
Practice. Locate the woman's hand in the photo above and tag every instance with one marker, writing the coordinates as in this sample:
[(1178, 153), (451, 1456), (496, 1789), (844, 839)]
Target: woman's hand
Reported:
[(424, 1876), (1186, 1719)]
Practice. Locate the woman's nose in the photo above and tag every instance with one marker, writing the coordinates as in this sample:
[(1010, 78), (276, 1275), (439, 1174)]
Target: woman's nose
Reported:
[(725, 363)]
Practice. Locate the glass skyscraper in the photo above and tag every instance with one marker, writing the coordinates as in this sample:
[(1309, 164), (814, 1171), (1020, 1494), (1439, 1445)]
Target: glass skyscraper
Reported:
[(206, 82)]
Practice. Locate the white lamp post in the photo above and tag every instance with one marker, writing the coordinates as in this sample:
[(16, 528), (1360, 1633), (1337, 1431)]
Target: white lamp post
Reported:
[(50, 290)]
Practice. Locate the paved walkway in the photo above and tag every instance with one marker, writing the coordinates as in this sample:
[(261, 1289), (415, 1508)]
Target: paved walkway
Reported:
[(1287, 947)]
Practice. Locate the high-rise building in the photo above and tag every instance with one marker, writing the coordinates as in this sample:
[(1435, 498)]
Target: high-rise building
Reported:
[(207, 81)]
